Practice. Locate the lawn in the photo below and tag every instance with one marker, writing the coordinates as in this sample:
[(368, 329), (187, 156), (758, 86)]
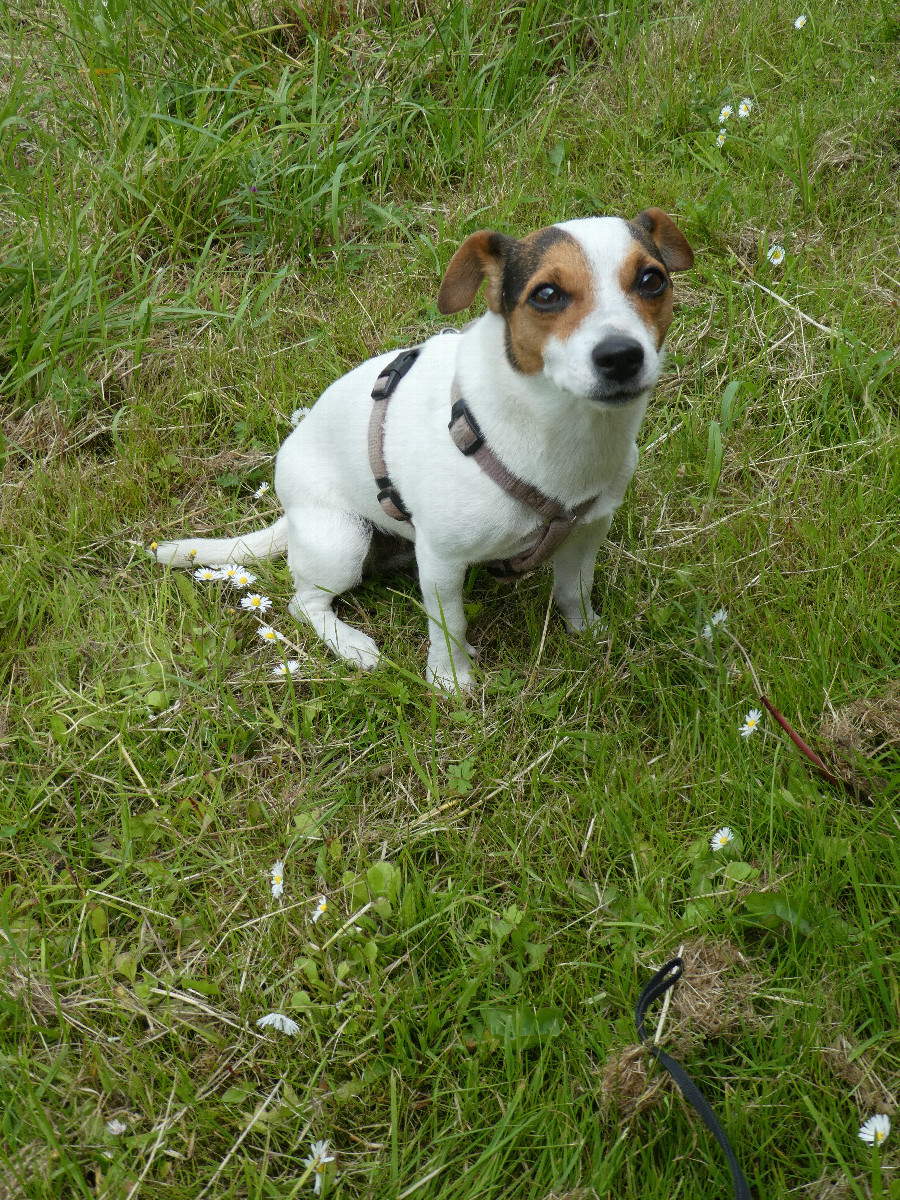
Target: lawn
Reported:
[(206, 215)]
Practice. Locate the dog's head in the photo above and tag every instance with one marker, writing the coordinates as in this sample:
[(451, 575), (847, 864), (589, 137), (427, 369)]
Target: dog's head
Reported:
[(587, 303)]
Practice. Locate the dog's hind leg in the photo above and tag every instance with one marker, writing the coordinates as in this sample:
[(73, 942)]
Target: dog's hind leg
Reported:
[(327, 551)]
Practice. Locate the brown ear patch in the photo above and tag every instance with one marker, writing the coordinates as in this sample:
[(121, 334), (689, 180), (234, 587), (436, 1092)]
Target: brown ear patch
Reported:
[(670, 243), (480, 257)]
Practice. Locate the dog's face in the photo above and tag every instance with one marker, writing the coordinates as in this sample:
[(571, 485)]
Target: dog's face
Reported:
[(586, 303)]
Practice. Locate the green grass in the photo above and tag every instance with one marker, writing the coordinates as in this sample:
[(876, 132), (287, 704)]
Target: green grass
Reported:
[(207, 213)]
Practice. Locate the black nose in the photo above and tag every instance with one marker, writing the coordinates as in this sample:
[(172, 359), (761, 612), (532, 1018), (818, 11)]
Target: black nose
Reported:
[(618, 358)]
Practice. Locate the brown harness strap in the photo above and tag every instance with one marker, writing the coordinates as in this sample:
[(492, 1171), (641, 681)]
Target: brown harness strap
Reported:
[(558, 520), (385, 386)]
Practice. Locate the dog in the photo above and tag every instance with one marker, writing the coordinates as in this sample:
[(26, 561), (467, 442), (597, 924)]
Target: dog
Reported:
[(509, 443)]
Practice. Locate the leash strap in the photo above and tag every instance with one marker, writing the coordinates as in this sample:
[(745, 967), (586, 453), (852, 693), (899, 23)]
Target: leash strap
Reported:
[(385, 386), (665, 978)]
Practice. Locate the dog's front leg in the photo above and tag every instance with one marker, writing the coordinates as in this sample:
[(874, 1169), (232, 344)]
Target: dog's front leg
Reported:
[(449, 654), (573, 573)]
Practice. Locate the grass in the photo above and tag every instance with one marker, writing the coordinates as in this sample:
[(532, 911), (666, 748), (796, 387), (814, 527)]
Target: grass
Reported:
[(208, 213)]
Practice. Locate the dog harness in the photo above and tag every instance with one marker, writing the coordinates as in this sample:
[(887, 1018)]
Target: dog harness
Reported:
[(558, 520)]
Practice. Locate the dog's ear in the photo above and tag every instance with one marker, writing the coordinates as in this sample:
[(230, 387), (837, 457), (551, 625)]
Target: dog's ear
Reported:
[(480, 257), (674, 249)]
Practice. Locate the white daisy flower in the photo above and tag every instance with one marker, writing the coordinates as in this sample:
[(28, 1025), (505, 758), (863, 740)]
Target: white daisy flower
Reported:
[(801, 21), (280, 1022), (720, 139), (726, 112), (775, 255), (206, 574), (320, 910), (719, 617), (261, 491), (298, 414), (745, 108), (268, 634), (243, 579), (316, 1161), (115, 1127), (751, 722), (721, 838), (283, 669), (256, 603), (875, 1130), (277, 873)]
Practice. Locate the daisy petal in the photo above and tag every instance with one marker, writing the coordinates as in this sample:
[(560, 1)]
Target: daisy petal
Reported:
[(280, 1022), (875, 1130), (721, 838)]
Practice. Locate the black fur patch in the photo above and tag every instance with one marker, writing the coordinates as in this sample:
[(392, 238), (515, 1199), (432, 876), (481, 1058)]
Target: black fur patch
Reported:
[(521, 260), (643, 238)]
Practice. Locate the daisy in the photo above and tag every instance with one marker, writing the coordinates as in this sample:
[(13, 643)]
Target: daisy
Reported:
[(277, 873), (875, 1130), (320, 910), (290, 667), (261, 491), (745, 108), (154, 546), (316, 1161), (268, 634), (720, 839), (720, 139), (243, 579), (719, 617), (726, 112), (280, 1022), (206, 573), (775, 255), (751, 722), (115, 1127), (800, 22), (297, 416), (256, 603), (229, 571)]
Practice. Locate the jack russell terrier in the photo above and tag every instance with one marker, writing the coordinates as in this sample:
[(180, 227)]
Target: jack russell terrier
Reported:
[(509, 444)]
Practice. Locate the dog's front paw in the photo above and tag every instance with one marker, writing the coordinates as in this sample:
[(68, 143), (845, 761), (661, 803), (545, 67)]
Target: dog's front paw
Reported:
[(449, 678), (582, 619), (591, 631)]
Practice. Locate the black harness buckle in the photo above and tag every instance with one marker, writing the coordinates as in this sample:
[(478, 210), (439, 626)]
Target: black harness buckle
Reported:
[(390, 500), (386, 383), (460, 412)]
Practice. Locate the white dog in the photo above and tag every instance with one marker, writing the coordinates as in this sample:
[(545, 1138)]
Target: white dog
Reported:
[(547, 391)]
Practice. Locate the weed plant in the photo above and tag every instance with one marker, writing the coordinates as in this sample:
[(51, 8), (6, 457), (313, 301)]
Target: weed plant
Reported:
[(208, 212)]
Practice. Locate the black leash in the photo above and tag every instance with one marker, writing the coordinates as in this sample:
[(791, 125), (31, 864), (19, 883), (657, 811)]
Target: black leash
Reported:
[(664, 978)]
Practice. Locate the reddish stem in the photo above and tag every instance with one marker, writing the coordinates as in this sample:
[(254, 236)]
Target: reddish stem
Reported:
[(802, 746)]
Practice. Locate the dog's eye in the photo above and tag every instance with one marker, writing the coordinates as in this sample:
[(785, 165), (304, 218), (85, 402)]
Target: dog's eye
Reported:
[(651, 283), (547, 297)]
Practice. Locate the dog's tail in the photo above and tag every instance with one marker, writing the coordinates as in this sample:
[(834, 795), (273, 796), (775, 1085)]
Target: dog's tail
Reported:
[(270, 542)]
